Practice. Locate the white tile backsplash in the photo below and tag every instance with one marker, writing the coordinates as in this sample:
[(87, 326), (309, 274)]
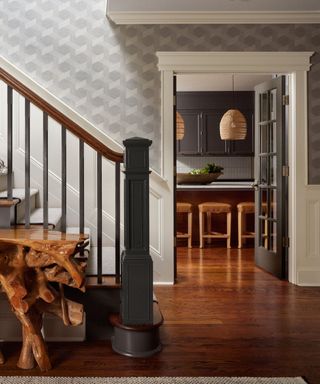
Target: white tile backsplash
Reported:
[(234, 167)]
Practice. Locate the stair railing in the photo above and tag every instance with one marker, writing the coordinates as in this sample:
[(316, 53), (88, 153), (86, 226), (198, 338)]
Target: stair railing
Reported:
[(84, 137), (136, 264)]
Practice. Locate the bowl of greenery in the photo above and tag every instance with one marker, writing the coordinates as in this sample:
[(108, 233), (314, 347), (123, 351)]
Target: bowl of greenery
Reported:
[(204, 175)]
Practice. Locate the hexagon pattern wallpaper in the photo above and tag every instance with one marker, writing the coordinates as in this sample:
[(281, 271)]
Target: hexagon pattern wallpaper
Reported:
[(109, 74)]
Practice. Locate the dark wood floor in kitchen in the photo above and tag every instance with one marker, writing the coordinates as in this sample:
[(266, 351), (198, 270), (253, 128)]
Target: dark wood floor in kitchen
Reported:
[(224, 317)]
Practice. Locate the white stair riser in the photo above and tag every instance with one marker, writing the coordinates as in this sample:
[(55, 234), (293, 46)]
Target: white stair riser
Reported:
[(21, 208), (108, 261), (55, 330), (54, 217), (75, 230), (10, 329), (53, 327), (3, 182)]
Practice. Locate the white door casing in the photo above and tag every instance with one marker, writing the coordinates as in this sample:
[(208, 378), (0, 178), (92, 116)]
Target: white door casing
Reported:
[(304, 199)]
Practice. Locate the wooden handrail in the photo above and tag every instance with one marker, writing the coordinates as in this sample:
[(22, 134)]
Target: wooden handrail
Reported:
[(62, 119)]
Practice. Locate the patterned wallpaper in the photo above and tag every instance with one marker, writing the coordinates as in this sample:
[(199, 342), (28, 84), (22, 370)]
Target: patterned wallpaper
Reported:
[(108, 73)]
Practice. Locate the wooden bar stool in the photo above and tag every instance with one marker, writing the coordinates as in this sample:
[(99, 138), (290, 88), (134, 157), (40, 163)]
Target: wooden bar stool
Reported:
[(186, 208), (244, 208), (208, 209)]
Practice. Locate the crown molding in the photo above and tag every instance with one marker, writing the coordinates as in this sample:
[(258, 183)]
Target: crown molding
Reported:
[(243, 17), (225, 62)]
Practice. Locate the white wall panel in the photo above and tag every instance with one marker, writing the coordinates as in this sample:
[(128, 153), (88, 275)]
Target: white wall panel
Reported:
[(313, 229), (309, 263)]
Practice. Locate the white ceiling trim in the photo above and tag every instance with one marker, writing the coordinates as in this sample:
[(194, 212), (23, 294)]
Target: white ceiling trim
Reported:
[(244, 17), (226, 62)]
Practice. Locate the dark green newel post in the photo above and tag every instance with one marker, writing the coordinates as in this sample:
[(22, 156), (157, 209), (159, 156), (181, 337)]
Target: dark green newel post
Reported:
[(136, 329), (137, 266)]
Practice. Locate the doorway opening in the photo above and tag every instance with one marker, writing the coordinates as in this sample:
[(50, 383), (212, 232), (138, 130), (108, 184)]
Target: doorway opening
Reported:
[(231, 193), (296, 65)]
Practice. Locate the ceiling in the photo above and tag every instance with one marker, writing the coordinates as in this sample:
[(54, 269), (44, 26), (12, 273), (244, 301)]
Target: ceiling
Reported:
[(219, 82), (212, 5)]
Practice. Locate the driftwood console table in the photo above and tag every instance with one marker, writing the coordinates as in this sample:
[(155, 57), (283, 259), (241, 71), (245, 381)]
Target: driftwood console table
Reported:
[(29, 261)]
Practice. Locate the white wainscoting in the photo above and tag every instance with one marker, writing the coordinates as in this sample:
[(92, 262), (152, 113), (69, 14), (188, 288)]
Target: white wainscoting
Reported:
[(308, 272)]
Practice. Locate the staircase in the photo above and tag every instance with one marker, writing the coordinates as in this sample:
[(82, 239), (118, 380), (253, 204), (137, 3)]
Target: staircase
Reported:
[(54, 223), (134, 329), (36, 213)]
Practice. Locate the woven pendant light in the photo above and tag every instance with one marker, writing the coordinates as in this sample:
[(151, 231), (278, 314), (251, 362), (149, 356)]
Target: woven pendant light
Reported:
[(233, 125), (179, 126)]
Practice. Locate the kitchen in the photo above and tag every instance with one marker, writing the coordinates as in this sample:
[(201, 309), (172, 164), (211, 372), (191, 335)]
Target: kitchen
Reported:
[(202, 151)]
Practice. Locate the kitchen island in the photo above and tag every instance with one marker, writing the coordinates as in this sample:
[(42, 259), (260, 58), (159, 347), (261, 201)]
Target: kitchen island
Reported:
[(231, 192)]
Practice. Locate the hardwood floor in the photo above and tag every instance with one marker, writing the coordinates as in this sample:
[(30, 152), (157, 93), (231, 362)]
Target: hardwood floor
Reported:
[(224, 317)]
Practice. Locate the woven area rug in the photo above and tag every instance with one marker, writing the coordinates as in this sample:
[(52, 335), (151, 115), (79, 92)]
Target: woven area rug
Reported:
[(150, 380)]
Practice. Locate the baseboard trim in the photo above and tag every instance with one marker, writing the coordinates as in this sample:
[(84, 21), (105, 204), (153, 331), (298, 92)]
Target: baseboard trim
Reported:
[(309, 278)]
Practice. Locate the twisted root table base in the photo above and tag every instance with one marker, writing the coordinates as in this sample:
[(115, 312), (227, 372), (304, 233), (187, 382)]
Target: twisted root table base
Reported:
[(29, 261)]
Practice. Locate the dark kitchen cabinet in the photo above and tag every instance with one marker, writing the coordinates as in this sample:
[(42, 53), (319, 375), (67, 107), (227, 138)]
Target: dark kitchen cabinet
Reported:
[(191, 142), (244, 147), (211, 142), (202, 112)]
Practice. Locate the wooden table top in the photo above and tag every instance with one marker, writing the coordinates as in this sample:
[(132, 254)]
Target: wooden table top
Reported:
[(19, 235)]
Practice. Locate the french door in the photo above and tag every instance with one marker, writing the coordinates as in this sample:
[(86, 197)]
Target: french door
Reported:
[(175, 175), (270, 177)]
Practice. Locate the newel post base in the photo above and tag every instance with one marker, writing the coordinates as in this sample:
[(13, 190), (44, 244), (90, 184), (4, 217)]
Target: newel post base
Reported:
[(137, 340)]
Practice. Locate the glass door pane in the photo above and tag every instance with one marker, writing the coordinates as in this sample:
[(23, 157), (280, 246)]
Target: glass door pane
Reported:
[(268, 166)]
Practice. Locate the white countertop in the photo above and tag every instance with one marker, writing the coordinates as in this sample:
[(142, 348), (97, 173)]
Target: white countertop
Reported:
[(223, 185)]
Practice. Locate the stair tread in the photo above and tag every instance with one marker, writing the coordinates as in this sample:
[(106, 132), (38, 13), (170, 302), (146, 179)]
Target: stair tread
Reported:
[(36, 217), (107, 282), (8, 203), (76, 230), (3, 181), (19, 193)]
